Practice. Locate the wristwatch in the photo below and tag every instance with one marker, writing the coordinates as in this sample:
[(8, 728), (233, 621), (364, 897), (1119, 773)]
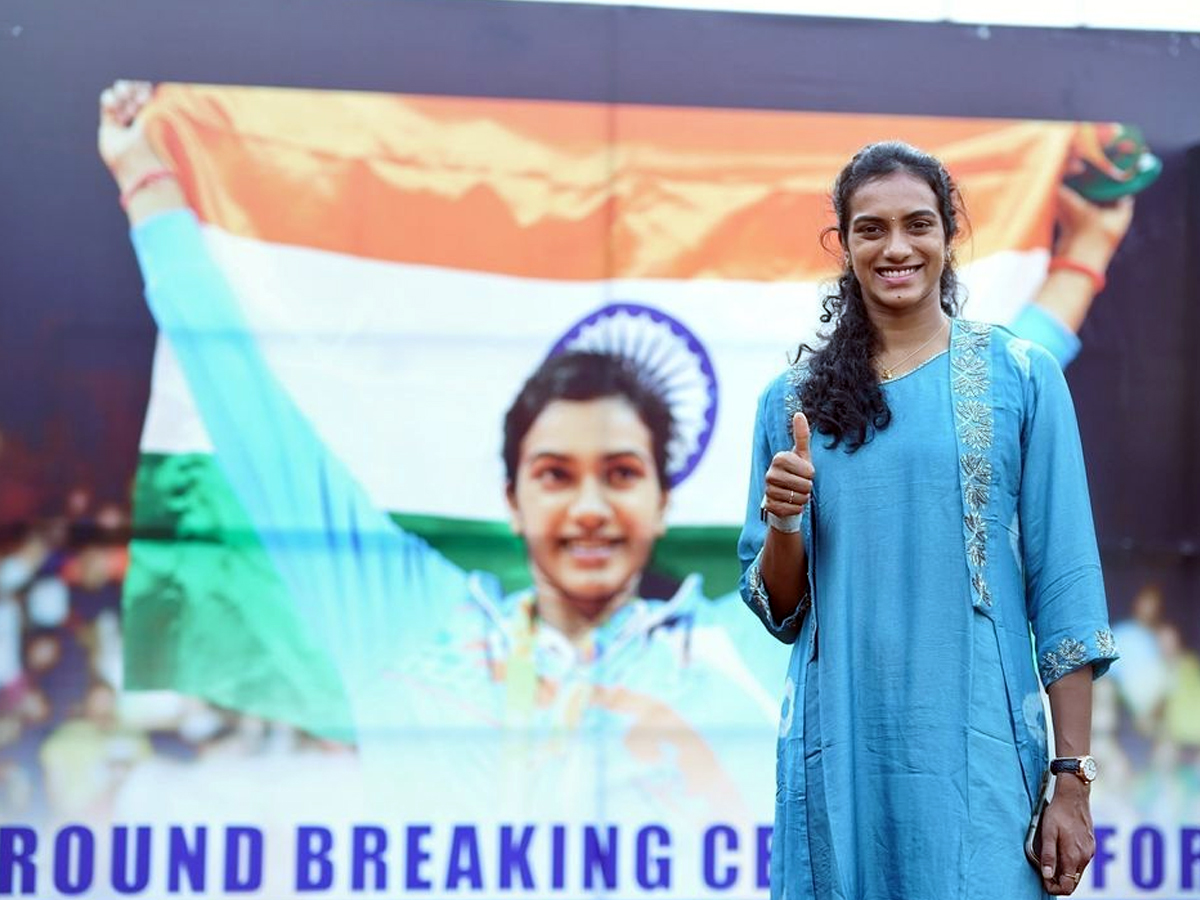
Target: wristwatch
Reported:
[(1082, 767)]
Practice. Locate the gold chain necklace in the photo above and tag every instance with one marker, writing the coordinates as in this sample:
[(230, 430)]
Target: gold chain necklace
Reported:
[(887, 373)]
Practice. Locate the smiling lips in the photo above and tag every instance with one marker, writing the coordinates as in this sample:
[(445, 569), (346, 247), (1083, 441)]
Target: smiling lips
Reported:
[(591, 552), (896, 273)]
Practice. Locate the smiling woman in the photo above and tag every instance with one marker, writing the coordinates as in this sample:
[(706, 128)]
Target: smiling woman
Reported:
[(588, 488), (936, 515), (898, 249), (897, 244)]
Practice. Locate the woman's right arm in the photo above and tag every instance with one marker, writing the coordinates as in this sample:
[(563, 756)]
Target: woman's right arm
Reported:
[(344, 562), (774, 564)]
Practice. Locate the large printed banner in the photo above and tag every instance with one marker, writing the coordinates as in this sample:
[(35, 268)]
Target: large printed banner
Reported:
[(339, 673), (408, 262)]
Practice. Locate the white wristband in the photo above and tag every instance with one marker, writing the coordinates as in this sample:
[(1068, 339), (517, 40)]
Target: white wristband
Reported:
[(786, 524)]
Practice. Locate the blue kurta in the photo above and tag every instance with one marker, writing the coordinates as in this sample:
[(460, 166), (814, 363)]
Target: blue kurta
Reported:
[(912, 738)]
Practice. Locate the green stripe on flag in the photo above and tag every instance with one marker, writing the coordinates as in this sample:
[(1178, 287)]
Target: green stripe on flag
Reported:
[(205, 610)]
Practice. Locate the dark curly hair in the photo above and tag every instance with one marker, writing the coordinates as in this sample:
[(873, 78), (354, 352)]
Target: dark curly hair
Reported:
[(841, 395)]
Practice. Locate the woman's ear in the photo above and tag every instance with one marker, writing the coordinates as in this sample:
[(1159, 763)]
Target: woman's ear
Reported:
[(514, 511)]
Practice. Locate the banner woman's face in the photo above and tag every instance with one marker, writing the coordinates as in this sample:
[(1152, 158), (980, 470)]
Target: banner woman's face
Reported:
[(587, 500)]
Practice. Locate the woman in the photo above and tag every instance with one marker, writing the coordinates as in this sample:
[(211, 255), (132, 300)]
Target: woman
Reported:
[(571, 702), (926, 505)]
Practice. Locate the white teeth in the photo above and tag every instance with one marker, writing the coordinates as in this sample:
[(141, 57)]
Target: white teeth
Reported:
[(591, 551), (897, 273), (584, 546)]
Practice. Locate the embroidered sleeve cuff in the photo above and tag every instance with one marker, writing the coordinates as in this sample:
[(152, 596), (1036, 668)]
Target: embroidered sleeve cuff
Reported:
[(762, 603), (1098, 648)]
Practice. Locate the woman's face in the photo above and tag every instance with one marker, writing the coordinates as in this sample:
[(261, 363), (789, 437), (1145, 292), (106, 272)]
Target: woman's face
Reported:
[(587, 500), (896, 243)]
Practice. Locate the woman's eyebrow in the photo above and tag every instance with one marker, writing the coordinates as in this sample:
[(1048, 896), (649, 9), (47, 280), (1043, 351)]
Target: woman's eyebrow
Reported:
[(869, 217), (618, 454), (610, 456), (549, 455)]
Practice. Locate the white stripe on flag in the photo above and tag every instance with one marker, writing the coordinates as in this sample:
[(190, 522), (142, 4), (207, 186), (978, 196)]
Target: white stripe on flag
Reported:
[(407, 370)]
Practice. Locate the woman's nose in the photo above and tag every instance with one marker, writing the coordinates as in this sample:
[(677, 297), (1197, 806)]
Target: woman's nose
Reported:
[(590, 505), (898, 245)]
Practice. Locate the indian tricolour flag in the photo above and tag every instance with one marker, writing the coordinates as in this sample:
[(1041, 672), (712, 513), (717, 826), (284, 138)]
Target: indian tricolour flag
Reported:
[(408, 261)]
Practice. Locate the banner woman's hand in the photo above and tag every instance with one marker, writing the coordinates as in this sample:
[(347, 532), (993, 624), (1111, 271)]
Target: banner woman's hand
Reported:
[(1090, 232), (146, 182)]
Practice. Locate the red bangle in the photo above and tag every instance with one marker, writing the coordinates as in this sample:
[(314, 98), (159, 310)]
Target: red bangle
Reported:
[(144, 181), (1062, 263)]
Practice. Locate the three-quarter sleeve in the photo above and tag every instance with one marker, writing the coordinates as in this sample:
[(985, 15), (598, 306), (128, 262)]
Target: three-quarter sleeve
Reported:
[(754, 530), (1064, 586)]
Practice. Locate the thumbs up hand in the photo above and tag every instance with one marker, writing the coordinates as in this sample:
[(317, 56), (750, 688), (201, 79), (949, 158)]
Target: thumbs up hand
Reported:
[(790, 477)]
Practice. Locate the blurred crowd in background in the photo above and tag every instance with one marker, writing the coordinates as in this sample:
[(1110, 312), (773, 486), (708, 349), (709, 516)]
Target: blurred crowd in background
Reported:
[(71, 740)]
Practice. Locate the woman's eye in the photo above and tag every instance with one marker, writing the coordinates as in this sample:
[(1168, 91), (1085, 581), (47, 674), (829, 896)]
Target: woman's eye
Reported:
[(921, 225), (553, 476), (623, 476)]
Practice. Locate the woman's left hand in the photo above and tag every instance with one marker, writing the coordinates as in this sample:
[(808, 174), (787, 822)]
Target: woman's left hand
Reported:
[(1068, 841)]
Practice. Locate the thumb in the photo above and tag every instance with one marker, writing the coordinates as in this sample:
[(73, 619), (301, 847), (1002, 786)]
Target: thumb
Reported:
[(801, 435)]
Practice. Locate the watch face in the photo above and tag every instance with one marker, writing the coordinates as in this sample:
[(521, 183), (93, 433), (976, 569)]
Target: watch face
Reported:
[(1087, 768)]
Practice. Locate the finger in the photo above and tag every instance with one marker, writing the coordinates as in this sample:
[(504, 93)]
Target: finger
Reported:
[(134, 93), (796, 495), (787, 466), (1124, 211), (789, 475), (128, 98), (801, 436), (1049, 854), (790, 492), (1069, 197), (784, 500), (122, 92)]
